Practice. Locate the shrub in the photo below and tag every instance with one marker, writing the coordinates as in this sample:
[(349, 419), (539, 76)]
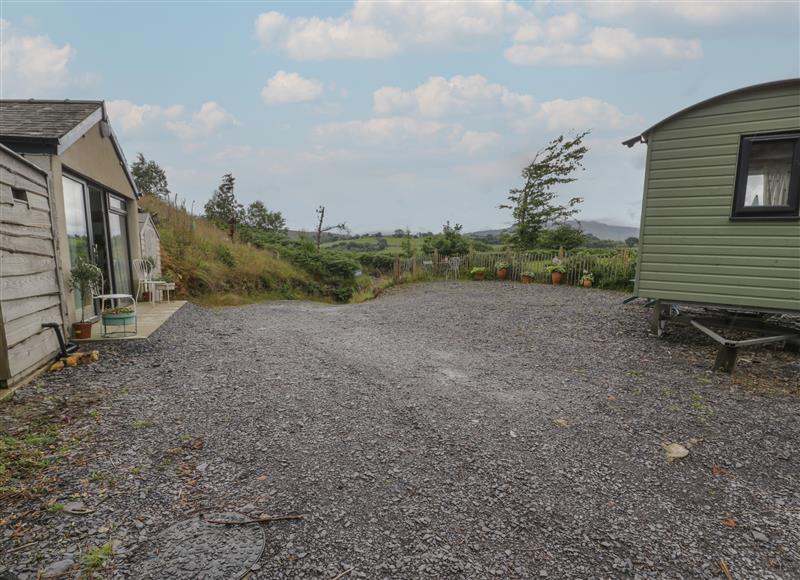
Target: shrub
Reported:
[(225, 255)]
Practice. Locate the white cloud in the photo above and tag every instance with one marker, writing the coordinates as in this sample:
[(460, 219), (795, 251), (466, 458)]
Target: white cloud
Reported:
[(707, 13), (439, 96), (473, 142), (584, 112), (374, 30), (208, 120), (32, 64), (606, 46), (286, 87), (128, 116), (402, 131)]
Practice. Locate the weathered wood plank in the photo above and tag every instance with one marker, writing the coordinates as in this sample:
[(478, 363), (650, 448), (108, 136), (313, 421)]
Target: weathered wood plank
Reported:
[(39, 247), (23, 167), (29, 325), (40, 284), (32, 352), (21, 264), (22, 215), (14, 309), (35, 200), (22, 181), (39, 232)]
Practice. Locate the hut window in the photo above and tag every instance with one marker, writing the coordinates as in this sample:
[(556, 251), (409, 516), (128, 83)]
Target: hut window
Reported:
[(768, 179), (19, 195)]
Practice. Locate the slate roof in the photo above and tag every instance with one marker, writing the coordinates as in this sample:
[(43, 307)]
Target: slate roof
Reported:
[(50, 120)]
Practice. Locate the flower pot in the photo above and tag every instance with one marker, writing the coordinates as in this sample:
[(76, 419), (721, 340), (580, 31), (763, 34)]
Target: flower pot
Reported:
[(501, 274), (479, 276), (82, 330), (555, 277), (587, 283), (526, 279)]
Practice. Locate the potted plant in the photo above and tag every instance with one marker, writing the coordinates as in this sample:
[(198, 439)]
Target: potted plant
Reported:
[(82, 278), (478, 273), (501, 270), (586, 279), (556, 270), (527, 277), (119, 315)]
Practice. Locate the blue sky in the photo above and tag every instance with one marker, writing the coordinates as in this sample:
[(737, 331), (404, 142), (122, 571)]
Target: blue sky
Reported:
[(392, 114)]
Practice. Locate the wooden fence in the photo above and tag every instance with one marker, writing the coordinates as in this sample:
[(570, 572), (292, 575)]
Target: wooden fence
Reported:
[(610, 268)]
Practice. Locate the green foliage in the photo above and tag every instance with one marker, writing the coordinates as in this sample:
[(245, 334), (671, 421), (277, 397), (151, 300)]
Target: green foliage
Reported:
[(225, 255), (149, 177), (83, 277), (259, 217), (448, 243), (632, 241), (480, 245), (532, 205), (478, 271), (556, 268), (96, 558), (223, 209), (408, 246), (502, 266), (562, 236), (377, 262), (587, 276)]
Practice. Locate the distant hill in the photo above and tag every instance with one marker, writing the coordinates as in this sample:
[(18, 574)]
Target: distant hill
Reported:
[(599, 229)]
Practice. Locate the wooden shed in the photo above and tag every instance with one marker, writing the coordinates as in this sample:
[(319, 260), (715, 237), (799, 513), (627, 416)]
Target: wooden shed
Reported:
[(720, 218), (31, 287)]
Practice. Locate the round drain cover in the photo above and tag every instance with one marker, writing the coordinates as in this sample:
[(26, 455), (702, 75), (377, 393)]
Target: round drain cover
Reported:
[(197, 549)]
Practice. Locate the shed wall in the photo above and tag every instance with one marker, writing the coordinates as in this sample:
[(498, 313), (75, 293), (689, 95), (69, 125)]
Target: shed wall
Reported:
[(690, 249), (30, 291)]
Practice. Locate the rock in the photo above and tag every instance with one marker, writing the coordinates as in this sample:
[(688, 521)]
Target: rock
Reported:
[(675, 451), (760, 537), (76, 507), (56, 569)]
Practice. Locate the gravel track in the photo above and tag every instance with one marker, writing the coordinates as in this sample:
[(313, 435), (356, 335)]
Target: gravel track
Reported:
[(465, 430)]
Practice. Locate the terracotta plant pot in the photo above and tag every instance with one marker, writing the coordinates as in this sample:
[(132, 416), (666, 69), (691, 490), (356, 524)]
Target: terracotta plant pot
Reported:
[(501, 273), (478, 276), (587, 283), (555, 277), (526, 279), (82, 330)]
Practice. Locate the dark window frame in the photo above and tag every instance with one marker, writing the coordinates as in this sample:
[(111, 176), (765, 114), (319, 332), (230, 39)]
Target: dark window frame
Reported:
[(789, 212), (20, 196)]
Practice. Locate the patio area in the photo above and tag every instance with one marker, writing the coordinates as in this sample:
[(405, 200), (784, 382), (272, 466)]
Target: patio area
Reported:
[(150, 318)]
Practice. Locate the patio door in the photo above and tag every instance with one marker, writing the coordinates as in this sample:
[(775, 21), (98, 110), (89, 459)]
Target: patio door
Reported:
[(118, 237), (78, 236)]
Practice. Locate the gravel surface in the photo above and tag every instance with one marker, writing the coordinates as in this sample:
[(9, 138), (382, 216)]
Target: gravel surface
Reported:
[(466, 430)]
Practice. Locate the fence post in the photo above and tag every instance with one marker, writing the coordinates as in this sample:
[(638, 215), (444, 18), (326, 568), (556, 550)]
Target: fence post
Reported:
[(396, 273)]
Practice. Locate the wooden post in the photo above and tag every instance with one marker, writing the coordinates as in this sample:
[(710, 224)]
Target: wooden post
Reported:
[(397, 269)]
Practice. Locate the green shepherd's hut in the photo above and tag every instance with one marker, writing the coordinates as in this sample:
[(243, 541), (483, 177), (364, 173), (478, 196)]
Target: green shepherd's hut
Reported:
[(720, 221)]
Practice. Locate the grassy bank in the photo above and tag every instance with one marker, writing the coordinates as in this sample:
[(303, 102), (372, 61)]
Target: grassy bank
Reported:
[(211, 269)]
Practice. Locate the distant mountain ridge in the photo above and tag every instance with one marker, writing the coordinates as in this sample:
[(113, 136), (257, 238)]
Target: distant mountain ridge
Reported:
[(599, 229)]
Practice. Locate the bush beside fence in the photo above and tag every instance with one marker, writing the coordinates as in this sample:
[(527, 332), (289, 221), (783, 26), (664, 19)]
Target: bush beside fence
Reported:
[(614, 269)]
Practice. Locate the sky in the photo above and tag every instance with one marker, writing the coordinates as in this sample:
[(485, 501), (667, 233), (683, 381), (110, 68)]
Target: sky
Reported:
[(392, 114)]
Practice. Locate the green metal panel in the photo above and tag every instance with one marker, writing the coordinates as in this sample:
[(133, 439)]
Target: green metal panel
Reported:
[(690, 249)]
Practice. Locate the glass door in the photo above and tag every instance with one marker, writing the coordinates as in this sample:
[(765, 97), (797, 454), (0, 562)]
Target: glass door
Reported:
[(118, 236), (97, 211), (78, 235)]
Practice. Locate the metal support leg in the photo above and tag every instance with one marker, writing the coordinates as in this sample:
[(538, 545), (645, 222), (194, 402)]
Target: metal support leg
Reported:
[(726, 359)]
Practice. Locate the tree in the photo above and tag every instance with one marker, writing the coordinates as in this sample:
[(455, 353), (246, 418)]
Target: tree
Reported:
[(562, 236), (398, 233), (449, 243), (632, 241), (259, 217), (321, 225), (532, 205), (149, 177), (408, 247), (222, 208)]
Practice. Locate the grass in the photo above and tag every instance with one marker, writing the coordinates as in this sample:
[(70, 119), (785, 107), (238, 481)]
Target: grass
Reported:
[(23, 456), (96, 558), (141, 424), (211, 269)]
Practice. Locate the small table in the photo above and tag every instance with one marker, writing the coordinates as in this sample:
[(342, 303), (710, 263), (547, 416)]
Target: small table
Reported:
[(115, 300)]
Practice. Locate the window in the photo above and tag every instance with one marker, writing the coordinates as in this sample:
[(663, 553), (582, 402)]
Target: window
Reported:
[(768, 177), (19, 195)]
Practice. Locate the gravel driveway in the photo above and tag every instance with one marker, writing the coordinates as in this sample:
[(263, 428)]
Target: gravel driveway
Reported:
[(465, 430)]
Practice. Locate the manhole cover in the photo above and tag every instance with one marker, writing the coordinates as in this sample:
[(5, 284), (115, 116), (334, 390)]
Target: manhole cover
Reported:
[(199, 550)]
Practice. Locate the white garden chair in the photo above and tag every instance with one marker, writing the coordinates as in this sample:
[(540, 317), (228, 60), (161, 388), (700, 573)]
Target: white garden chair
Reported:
[(453, 268)]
